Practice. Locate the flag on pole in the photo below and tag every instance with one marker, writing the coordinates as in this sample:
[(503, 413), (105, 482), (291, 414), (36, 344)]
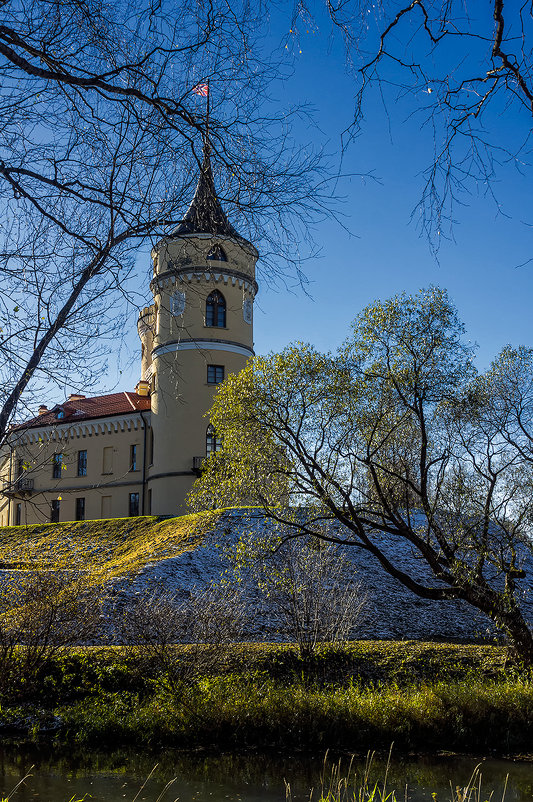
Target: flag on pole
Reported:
[(201, 89)]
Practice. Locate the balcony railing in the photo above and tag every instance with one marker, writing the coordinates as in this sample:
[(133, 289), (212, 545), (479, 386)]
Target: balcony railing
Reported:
[(22, 485)]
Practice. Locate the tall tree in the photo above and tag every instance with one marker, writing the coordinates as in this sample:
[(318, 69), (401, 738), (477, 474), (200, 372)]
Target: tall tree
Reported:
[(395, 439), (101, 141)]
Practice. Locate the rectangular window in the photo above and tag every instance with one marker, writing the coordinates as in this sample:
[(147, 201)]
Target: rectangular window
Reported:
[(150, 502), (134, 504), (80, 509), (215, 374), (57, 464), (82, 463), (151, 436), (20, 468), (107, 462), (54, 511), (133, 458), (18, 514)]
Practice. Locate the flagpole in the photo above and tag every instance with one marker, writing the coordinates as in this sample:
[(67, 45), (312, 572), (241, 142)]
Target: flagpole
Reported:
[(207, 113)]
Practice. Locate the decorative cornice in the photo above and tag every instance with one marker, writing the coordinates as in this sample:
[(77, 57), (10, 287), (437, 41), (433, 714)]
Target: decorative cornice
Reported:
[(202, 345), (189, 275), (81, 488), (69, 431)]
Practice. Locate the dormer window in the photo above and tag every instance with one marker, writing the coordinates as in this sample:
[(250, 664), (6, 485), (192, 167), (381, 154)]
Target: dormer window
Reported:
[(215, 310), (217, 253), (60, 414)]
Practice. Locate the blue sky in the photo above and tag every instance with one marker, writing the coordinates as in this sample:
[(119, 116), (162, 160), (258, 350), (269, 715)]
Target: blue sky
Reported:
[(382, 253)]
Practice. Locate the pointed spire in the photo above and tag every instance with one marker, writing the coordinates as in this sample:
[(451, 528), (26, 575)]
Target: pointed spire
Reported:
[(205, 214)]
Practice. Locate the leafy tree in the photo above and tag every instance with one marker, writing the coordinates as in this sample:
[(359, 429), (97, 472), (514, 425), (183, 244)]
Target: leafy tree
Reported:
[(396, 439)]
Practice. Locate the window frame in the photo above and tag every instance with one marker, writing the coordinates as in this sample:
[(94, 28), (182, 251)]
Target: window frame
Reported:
[(217, 371), (82, 462), (217, 254), (80, 509), (215, 310), (57, 465), (213, 443), (133, 457), (134, 504)]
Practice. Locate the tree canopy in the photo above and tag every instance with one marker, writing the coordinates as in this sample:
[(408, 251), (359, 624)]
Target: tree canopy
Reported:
[(393, 437)]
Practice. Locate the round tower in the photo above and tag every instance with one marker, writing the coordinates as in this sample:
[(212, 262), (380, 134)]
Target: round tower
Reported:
[(199, 330)]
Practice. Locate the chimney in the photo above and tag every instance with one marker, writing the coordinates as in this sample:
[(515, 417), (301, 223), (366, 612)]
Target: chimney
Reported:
[(75, 397), (142, 388), (42, 409)]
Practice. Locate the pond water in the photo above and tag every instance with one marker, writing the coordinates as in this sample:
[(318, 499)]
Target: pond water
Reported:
[(249, 777)]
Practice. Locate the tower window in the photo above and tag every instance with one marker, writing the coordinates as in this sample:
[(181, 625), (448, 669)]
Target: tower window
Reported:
[(215, 374), (57, 464), (133, 458), (18, 515), (215, 310), (217, 253), (212, 441)]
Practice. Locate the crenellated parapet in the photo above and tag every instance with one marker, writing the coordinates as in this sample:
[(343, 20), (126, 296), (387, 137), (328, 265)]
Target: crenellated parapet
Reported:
[(171, 278)]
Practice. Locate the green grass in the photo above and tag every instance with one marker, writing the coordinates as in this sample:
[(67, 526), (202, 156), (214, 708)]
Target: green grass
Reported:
[(422, 697), (242, 712)]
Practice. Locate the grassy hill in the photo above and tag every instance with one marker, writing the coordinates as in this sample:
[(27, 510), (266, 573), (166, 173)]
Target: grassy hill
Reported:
[(105, 549)]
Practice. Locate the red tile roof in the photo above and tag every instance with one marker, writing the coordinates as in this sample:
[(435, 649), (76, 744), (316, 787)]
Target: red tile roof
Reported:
[(101, 406)]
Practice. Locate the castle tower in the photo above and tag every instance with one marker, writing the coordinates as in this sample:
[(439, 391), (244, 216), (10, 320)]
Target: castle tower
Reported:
[(199, 329)]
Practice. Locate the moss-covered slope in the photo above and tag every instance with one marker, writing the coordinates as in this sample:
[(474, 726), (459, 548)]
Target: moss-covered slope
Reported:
[(106, 549)]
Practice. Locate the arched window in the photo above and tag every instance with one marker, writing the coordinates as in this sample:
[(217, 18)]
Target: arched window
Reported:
[(212, 441), (217, 253), (215, 310)]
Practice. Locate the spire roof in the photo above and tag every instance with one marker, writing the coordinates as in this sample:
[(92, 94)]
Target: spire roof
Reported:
[(205, 214)]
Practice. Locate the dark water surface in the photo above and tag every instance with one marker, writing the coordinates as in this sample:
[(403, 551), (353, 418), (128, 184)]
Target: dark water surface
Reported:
[(248, 777)]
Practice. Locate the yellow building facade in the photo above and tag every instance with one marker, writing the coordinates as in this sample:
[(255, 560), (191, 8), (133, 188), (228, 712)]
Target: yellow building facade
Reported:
[(136, 453)]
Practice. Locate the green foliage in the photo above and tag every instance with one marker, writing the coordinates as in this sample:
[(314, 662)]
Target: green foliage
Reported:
[(396, 439), (421, 696), (52, 593), (255, 710)]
